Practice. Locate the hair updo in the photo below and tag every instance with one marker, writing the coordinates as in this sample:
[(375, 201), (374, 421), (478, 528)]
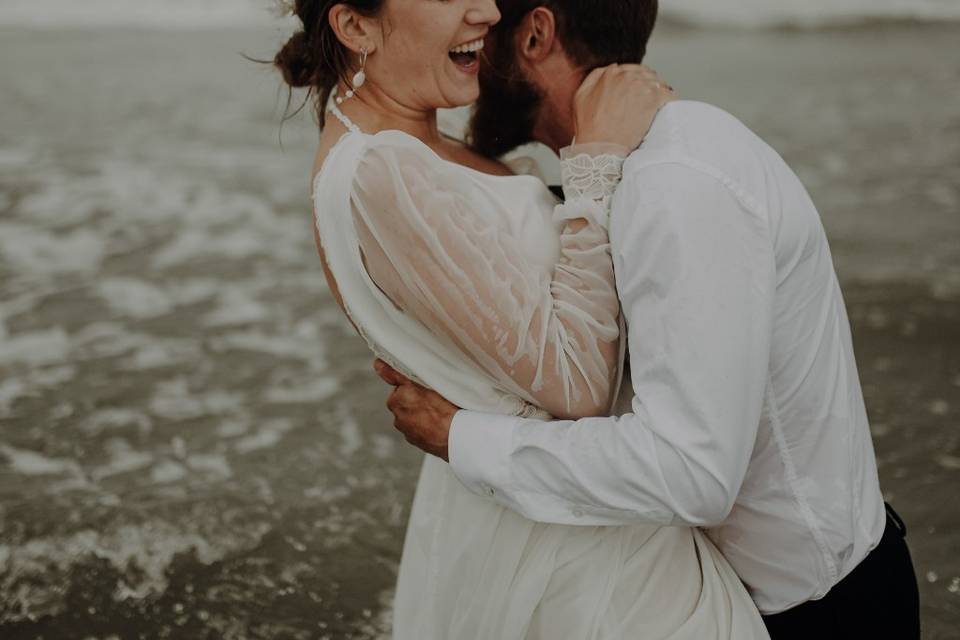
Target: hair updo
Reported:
[(313, 58)]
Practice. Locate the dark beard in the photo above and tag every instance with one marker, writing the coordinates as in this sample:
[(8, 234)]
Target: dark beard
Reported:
[(505, 113)]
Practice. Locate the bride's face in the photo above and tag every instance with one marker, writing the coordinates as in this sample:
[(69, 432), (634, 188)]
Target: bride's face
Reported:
[(429, 51)]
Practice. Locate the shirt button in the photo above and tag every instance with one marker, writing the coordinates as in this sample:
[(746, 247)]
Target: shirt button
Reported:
[(577, 513), (489, 491)]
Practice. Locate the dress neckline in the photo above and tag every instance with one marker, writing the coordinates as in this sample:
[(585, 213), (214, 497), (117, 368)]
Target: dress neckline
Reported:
[(353, 128)]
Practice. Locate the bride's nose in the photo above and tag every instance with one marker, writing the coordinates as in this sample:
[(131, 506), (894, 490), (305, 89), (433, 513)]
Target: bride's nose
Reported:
[(483, 12)]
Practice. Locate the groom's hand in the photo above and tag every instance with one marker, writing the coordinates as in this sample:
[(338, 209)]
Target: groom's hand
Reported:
[(423, 416)]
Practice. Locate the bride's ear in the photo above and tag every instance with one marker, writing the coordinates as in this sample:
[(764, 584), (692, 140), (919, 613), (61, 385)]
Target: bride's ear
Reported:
[(354, 31)]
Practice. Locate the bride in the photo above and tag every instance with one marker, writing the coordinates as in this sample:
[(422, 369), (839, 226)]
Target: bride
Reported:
[(476, 282)]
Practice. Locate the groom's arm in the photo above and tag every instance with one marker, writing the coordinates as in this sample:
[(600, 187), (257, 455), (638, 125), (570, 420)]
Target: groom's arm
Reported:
[(696, 276)]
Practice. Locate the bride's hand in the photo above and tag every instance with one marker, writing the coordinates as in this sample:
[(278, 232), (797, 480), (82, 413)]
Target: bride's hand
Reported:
[(617, 104)]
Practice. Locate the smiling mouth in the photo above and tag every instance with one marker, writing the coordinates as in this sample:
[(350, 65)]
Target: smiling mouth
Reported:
[(466, 55)]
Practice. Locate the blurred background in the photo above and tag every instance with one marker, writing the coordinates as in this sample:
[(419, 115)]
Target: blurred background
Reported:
[(192, 441)]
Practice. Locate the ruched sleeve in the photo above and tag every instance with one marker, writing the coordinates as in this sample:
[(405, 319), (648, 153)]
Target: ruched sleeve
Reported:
[(434, 239)]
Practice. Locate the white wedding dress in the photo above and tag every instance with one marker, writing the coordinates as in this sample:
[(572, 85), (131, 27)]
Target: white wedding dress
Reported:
[(477, 286)]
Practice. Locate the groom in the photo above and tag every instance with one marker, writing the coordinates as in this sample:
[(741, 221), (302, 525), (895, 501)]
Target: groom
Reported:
[(747, 415)]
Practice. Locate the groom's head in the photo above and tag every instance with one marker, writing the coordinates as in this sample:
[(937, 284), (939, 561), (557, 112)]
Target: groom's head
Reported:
[(536, 57)]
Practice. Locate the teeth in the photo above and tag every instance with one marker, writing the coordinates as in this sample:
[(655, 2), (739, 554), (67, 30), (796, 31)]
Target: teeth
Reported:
[(469, 47)]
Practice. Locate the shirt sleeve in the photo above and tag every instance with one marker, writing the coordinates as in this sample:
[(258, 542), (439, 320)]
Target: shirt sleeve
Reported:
[(696, 276), (438, 243)]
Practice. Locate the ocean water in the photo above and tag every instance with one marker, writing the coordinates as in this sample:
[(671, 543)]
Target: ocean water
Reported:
[(817, 13), (218, 13), (192, 441)]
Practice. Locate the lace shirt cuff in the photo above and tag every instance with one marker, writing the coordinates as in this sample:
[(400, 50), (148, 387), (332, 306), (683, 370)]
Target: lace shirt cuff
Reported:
[(590, 179)]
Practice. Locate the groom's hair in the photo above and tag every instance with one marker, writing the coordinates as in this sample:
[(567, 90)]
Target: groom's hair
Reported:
[(594, 33)]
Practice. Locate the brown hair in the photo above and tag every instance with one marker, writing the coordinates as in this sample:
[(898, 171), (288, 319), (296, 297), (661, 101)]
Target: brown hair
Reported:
[(594, 33), (313, 58)]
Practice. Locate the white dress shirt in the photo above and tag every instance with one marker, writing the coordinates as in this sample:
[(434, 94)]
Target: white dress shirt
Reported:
[(747, 413)]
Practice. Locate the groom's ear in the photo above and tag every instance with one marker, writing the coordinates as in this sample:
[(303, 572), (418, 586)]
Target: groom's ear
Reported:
[(537, 35)]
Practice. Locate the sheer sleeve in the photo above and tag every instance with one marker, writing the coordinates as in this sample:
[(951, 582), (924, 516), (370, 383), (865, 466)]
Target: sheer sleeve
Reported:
[(433, 239)]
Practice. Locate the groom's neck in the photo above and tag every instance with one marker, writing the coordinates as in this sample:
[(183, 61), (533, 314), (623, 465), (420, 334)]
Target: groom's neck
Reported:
[(554, 125)]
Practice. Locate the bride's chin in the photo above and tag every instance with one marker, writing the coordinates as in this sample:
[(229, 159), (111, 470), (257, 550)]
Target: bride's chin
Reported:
[(466, 102), (461, 98)]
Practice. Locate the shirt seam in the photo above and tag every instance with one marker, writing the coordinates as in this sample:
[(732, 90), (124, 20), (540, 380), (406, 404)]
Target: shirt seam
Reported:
[(740, 194), (805, 510)]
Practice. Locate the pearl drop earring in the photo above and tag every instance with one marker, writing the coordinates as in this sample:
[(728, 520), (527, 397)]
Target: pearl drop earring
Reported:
[(358, 78)]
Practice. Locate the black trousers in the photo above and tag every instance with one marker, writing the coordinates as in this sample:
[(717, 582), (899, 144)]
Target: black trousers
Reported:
[(878, 599)]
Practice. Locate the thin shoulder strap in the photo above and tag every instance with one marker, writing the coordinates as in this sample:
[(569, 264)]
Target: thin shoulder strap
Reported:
[(347, 122)]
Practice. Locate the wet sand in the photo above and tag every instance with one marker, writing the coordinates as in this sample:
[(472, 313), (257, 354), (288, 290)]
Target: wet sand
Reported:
[(192, 442)]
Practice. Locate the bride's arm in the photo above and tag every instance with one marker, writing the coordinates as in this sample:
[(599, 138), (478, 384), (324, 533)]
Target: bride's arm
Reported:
[(431, 244)]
